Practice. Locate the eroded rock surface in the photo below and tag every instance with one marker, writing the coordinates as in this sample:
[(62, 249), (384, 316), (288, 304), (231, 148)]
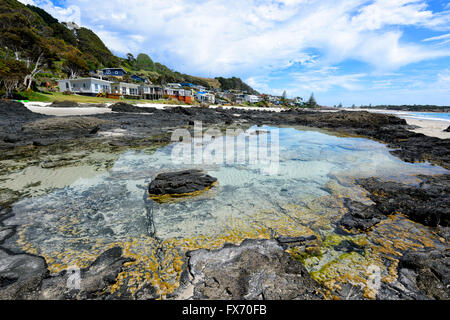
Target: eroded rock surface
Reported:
[(179, 184), (256, 269), (25, 276)]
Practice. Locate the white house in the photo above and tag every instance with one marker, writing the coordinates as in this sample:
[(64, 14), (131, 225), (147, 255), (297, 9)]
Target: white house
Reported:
[(206, 97), (125, 89), (85, 86), (251, 98)]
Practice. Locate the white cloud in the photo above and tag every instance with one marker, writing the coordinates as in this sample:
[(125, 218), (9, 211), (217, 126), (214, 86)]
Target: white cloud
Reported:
[(252, 36)]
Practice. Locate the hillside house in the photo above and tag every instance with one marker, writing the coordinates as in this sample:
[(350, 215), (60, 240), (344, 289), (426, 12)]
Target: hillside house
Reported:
[(112, 72), (125, 89), (179, 94), (206, 97), (251, 98), (151, 92), (85, 86)]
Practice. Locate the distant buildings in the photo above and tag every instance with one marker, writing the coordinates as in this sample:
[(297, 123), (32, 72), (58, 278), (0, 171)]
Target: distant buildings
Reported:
[(116, 83)]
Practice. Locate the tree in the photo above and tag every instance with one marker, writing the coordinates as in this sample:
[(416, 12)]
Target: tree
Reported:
[(12, 73), (75, 65), (311, 101), (144, 62)]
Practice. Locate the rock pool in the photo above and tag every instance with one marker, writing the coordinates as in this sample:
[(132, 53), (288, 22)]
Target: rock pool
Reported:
[(81, 210)]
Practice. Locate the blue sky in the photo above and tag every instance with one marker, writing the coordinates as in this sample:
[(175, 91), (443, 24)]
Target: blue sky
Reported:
[(349, 51)]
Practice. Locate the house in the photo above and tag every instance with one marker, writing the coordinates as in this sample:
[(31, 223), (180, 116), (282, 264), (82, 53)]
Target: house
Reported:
[(206, 97), (188, 85), (137, 78), (251, 98), (178, 93), (112, 72), (85, 86), (151, 92), (125, 89), (174, 86)]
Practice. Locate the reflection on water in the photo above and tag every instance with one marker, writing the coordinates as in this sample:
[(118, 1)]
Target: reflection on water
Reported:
[(72, 224)]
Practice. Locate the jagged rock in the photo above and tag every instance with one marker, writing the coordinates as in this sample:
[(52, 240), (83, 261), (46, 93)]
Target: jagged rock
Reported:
[(256, 269), (94, 279), (126, 107), (21, 275), (427, 203), (426, 271), (179, 184), (25, 276), (447, 130), (359, 217)]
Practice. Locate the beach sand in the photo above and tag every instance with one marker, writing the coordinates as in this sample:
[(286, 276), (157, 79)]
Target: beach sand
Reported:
[(432, 128)]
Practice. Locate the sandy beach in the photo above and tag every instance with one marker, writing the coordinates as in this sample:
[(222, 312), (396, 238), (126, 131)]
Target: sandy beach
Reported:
[(432, 128)]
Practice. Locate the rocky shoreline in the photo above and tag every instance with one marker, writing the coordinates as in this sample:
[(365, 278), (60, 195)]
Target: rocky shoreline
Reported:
[(231, 272)]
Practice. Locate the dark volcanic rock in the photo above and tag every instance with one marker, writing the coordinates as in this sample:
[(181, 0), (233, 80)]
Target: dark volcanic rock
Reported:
[(447, 130), (427, 203), (426, 272), (125, 107), (20, 275), (25, 276), (359, 217), (64, 104), (257, 269), (180, 183)]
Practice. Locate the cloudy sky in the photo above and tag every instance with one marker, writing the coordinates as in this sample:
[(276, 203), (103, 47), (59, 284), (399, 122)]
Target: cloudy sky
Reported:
[(348, 51)]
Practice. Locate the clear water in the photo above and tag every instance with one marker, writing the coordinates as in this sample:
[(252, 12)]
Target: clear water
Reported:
[(113, 205)]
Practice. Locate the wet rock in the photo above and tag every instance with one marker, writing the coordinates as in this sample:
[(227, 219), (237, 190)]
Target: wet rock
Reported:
[(428, 271), (257, 269), (94, 280), (428, 203), (359, 217), (21, 275), (179, 184), (288, 242), (80, 125), (447, 130)]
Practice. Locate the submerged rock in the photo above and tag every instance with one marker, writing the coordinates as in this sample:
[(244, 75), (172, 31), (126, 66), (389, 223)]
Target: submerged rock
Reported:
[(256, 269), (180, 184)]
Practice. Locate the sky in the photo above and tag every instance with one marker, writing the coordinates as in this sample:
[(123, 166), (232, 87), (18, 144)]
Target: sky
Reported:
[(349, 51)]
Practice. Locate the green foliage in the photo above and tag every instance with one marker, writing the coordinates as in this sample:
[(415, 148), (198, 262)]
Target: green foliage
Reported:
[(143, 62), (311, 103), (91, 44), (235, 84)]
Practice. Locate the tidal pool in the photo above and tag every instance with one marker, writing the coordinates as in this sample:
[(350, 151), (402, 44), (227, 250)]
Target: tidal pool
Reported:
[(73, 224)]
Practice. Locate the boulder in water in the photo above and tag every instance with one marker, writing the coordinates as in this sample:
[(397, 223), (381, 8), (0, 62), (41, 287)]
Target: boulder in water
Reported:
[(172, 185)]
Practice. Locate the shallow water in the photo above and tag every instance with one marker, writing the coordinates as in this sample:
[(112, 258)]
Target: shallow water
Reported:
[(73, 223)]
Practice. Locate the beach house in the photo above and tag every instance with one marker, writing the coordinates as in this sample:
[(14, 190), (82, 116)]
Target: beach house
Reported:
[(85, 86), (151, 92), (129, 90), (206, 97)]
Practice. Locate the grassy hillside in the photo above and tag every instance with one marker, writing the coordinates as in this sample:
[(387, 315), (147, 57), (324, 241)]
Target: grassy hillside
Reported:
[(35, 48)]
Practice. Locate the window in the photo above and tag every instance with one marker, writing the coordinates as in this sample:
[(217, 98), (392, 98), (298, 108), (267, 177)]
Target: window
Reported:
[(124, 90), (67, 86), (96, 87)]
